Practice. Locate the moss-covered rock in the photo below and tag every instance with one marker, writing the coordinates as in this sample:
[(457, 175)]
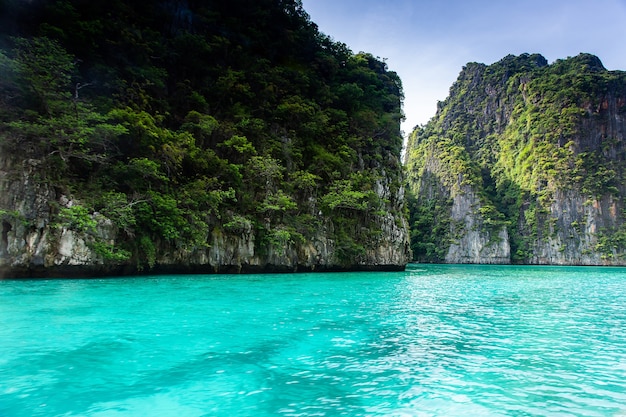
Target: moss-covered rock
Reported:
[(535, 155)]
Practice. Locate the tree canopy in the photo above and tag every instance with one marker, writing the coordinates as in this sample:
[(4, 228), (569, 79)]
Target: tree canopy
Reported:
[(174, 117)]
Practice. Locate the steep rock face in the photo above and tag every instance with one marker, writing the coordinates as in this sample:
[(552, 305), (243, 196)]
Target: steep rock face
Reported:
[(452, 230), (539, 151), (32, 244), (572, 238), (475, 243), (31, 241)]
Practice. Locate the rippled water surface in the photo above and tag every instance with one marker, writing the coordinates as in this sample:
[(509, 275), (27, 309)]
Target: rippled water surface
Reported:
[(432, 341)]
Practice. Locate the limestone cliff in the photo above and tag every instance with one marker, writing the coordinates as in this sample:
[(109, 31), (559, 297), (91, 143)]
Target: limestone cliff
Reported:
[(35, 244), (528, 163), (474, 243), (177, 136)]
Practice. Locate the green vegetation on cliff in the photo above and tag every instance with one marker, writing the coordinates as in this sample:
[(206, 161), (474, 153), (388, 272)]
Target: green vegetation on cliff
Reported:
[(523, 135), (176, 119)]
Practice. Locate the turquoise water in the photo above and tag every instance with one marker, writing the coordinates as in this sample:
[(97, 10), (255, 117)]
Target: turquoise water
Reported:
[(431, 341)]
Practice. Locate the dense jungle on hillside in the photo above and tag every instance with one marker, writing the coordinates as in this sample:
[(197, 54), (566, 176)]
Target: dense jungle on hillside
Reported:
[(180, 123), (524, 162)]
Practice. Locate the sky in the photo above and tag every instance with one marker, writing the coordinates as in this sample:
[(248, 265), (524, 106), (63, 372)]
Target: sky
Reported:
[(427, 42)]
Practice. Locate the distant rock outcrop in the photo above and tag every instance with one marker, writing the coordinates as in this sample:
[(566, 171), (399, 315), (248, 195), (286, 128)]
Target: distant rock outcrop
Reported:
[(525, 162)]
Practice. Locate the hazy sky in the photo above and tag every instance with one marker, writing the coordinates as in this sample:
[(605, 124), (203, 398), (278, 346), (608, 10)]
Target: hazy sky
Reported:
[(427, 42)]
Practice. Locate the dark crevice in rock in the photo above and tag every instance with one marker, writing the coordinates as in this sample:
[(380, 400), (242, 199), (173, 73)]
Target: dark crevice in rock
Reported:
[(4, 240)]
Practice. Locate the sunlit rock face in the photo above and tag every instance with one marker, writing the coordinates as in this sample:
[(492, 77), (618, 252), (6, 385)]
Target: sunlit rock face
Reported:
[(476, 245), (524, 163)]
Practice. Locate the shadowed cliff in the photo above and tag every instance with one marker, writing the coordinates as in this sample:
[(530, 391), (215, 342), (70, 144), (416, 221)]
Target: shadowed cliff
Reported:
[(193, 136)]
